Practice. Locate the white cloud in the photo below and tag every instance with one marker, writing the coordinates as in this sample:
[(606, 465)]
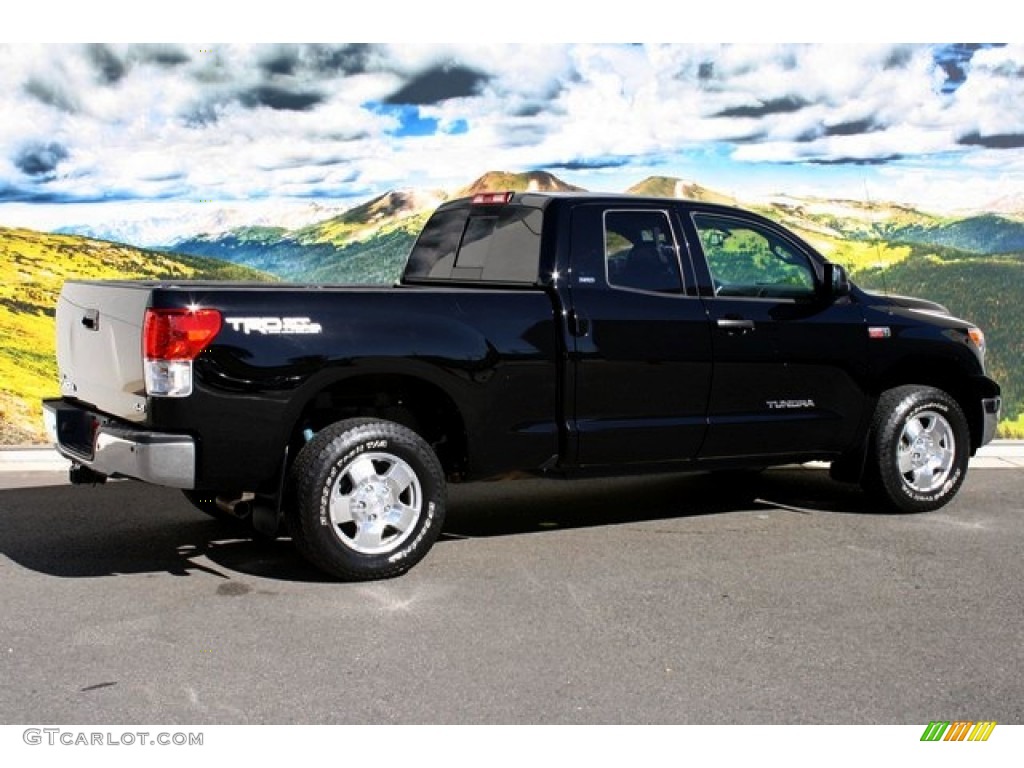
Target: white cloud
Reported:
[(191, 122)]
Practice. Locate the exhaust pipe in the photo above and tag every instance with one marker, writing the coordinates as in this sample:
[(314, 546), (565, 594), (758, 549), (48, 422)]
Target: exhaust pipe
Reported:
[(262, 515), (240, 507)]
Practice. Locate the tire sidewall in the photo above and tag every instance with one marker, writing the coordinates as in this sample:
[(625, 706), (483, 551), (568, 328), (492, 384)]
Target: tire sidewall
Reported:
[(331, 455), (893, 485)]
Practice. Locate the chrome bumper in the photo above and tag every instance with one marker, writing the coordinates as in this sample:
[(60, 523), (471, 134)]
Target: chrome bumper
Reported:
[(990, 407), (116, 449)]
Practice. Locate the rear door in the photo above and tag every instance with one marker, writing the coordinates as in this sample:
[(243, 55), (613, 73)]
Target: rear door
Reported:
[(786, 360), (642, 345)]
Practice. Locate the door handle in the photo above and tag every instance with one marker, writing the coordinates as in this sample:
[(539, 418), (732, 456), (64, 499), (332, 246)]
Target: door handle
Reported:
[(735, 324), (579, 325)]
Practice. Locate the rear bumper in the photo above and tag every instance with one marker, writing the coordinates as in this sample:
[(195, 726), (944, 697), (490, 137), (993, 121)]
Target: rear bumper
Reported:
[(116, 449)]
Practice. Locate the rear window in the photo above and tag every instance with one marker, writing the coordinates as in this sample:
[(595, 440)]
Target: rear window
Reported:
[(479, 244)]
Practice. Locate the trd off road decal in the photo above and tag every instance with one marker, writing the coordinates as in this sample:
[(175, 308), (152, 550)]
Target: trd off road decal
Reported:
[(273, 326)]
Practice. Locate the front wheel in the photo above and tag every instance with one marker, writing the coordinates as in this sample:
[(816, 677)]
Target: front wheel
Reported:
[(368, 499), (919, 449)]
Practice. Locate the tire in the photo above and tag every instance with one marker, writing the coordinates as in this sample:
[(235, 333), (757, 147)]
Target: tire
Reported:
[(918, 451), (367, 499)]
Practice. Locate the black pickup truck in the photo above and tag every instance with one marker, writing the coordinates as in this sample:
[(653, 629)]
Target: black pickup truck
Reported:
[(545, 333)]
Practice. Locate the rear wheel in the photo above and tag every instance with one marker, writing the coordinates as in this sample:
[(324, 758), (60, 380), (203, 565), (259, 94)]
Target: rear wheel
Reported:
[(368, 499), (920, 446)]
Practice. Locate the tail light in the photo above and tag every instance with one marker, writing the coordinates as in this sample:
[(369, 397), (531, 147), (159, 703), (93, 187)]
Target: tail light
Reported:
[(171, 340), (491, 198)]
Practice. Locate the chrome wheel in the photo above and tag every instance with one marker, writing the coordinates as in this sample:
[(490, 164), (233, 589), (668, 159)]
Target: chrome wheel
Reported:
[(366, 499), (917, 449), (375, 503), (926, 451)]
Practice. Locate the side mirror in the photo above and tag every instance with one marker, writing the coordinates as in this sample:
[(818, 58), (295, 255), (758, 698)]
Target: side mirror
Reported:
[(835, 281)]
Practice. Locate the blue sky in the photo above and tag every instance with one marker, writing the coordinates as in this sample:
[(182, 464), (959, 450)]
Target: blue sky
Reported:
[(155, 126)]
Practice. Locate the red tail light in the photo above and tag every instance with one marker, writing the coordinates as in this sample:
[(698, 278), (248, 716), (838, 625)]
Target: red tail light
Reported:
[(178, 334), (491, 198)]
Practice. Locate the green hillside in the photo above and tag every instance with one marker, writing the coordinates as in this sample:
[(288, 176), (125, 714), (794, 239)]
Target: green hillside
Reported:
[(366, 220), (983, 289), (986, 234), (261, 234), (376, 259), (850, 219), (989, 234), (371, 255), (33, 266)]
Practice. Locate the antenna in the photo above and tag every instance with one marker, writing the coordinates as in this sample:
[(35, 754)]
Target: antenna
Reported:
[(876, 240)]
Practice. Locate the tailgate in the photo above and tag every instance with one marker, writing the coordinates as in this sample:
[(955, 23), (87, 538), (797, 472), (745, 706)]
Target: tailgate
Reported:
[(99, 346)]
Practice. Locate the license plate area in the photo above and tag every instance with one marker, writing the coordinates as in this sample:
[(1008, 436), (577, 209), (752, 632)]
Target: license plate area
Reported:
[(76, 431)]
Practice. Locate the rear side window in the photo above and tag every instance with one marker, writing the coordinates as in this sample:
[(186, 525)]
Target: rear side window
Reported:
[(495, 245), (640, 252)]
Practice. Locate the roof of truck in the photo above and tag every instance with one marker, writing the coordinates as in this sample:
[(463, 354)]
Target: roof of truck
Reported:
[(543, 199)]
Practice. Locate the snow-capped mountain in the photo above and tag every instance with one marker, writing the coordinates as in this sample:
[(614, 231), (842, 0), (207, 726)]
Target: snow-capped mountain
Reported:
[(142, 226)]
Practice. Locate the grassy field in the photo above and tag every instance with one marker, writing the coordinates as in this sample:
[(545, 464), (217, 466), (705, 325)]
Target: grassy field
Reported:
[(33, 266)]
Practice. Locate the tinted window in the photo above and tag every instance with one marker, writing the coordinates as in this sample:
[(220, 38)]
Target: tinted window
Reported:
[(499, 245), (640, 252), (749, 260), (433, 256)]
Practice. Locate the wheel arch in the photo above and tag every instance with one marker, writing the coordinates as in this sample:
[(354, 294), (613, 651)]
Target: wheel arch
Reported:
[(412, 401), (948, 376)]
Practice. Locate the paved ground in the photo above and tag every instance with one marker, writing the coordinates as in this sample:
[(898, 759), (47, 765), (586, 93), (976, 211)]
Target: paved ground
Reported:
[(654, 600)]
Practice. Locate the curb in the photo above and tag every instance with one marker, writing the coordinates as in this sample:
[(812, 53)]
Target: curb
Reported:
[(32, 459)]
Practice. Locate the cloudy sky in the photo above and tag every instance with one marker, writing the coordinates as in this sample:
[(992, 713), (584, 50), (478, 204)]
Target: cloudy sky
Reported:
[(98, 126)]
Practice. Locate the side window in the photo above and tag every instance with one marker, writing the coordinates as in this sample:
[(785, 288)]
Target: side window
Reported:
[(749, 260), (640, 252)]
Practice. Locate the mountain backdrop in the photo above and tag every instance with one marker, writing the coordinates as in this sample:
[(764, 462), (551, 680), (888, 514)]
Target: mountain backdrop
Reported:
[(973, 263)]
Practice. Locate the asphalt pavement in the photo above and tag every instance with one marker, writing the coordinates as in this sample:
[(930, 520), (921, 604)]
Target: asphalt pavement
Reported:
[(668, 599)]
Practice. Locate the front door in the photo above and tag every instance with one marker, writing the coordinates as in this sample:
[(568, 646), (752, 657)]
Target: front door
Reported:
[(786, 359)]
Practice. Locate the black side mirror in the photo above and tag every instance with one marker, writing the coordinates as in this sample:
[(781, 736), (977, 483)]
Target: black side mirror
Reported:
[(835, 281)]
